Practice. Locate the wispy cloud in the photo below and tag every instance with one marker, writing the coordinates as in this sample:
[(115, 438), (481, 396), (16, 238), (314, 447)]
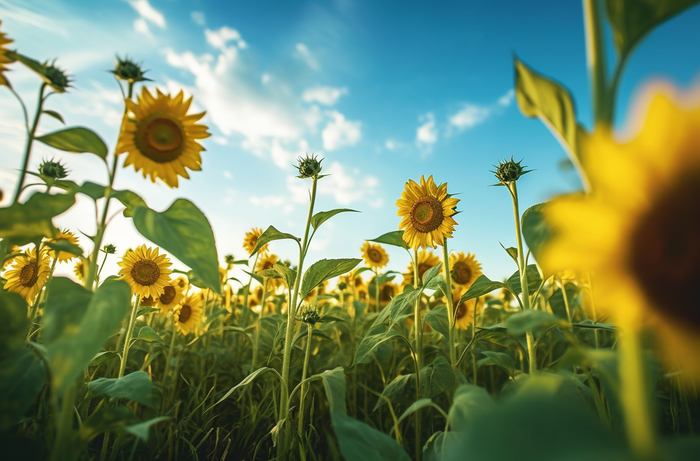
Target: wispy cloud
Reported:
[(303, 53), (198, 18), (148, 13), (326, 95), (472, 115), (426, 133), (340, 132)]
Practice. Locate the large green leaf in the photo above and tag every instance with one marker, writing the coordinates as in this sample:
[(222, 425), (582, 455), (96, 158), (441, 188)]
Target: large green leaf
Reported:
[(500, 359), (184, 231), (325, 269), (22, 375), (631, 20), (288, 274), (78, 140), (469, 403), (400, 392), (74, 345), (30, 221), (534, 279), (13, 323), (522, 321), (129, 199), (438, 320), (394, 238), (272, 234), (371, 342), (359, 442), (437, 377), (136, 386), (66, 305), (141, 430), (539, 96), (481, 286), (323, 216), (536, 231), (334, 383)]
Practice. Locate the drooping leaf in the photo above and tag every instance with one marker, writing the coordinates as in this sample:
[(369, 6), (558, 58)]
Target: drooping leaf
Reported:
[(334, 384), (394, 238), (325, 269), (184, 232), (481, 286), (437, 377), (359, 442), (438, 320), (30, 221), (323, 216), (272, 234), (142, 429), (54, 114), (288, 274), (148, 334), (535, 230), (77, 140), (136, 386)]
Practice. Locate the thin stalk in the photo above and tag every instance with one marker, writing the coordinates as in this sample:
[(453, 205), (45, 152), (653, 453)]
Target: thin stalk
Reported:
[(43, 295), (418, 325), (30, 141), (595, 50), (305, 386), (24, 109), (566, 299), (247, 288), (97, 277), (450, 303), (127, 336), (170, 352), (257, 326), (376, 290)]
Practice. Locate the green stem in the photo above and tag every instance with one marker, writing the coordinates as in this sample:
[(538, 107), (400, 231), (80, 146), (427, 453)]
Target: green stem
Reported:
[(43, 295), (595, 48), (247, 288), (305, 386), (64, 425), (450, 303), (97, 277), (418, 331), (30, 141), (376, 290), (170, 352), (257, 326), (127, 337)]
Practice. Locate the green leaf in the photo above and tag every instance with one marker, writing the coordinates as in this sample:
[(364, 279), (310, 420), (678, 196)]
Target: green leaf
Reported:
[(73, 346), (13, 323), (92, 190), (323, 216), (148, 334), (65, 246), (534, 279), (522, 321), (359, 442), (270, 235), (77, 140), (30, 221), (289, 275), (417, 405), (535, 230), (141, 430), (334, 383), (401, 391), (325, 269), (512, 252), (538, 96), (247, 380), (481, 286), (136, 386), (54, 114), (371, 342), (437, 377), (66, 305), (469, 403), (131, 200), (500, 359), (22, 375), (109, 419), (631, 20), (431, 273), (438, 320), (184, 232), (399, 307), (394, 238)]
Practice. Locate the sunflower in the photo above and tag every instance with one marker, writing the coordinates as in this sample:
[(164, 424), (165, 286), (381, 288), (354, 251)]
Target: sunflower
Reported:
[(374, 255), (386, 292), (464, 312), (3, 58), (251, 239), (637, 232), (28, 274), (171, 297), (9, 260), (160, 138), (464, 269), (426, 260), (81, 267), (145, 271), (188, 314), (426, 211), (181, 283), (67, 236), (265, 262)]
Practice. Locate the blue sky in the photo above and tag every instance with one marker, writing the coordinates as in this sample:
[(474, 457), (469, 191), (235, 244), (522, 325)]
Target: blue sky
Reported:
[(385, 91)]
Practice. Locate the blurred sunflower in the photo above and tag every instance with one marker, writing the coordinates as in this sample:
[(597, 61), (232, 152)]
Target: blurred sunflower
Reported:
[(426, 260), (374, 255), (171, 297), (69, 237), (28, 274), (426, 211), (160, 138), (464, 269), (637, 232), (145, 271), (265, 262), (188, 315), (464, 312), (3, 58), (387, 292), (251, 239), (81, 267), (181, 283)]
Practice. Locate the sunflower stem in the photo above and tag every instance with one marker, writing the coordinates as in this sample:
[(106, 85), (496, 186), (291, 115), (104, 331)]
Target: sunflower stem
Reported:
[(42, 295), (418, 331), (257, 326), (64, 425), (305, 386), (450, 302), (595, 50), (30, 140), (376, 290), (127, 337), (250, 281)]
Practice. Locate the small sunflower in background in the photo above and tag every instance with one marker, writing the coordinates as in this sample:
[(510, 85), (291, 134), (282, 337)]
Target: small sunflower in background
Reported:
[(464, 269), (160, 139), (251, 239), (3, 57), (387, 292), (171, 297), (265, 262), (81, 267), (426, 210), (64, 255), (28, 274), (637, 232), (188, 315), (426, 260), (145, 271), (181, 283), (464, 312), (374, 255)]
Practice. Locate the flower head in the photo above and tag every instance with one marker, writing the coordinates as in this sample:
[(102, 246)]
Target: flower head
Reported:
[(28, 274), (145, 271), (426, 260), (464, 269), (374, 255), (4, 59), (126, 69), (251, 239), (53, 169), (309, 166), (68, 236), (509, 171), (188, 314)]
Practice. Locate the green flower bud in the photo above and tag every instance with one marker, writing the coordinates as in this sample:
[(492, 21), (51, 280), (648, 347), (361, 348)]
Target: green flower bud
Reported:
[(229, 259), (53, 169), (128, 70), (109, 249), (309, 166), (509, 171), (57, 79), (310, 317)]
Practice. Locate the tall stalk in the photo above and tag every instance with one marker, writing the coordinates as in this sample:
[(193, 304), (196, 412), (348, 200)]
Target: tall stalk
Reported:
[(30, 140), (418, 332), (450, 303), (127, 337), (305, 386), (257, 325)]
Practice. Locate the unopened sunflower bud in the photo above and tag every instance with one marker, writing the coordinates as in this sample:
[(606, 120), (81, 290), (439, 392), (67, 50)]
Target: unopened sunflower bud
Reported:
[(309, 166), (310, 317), (128, 70), (229, 259), (509, 171), (53, 169), (57, 79), (109, 249)]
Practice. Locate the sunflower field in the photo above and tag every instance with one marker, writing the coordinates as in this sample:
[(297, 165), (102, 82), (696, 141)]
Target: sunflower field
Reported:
[(590, 350)]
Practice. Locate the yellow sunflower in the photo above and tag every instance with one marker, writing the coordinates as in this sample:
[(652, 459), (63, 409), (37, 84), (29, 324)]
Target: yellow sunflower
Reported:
[(81, 267), (426, 211), (68, 236), (3, 58), (386, 292), (637, 232), (145, 271), (181, 283), (374, 255), (426, 260), (464, 312), (160, 138), (171, 297), (188, 314), (28, 274), (251, 239), (464, 269), (268, 261)]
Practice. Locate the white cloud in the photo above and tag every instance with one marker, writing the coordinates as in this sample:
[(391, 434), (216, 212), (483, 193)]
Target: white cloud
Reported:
[(390, 144), (284, 158), (303, 53), (98, 102), (147, 12), (340, 132), (198, 18), (218, 39), (347, 187), (227, 174), (470, 116), (220, 140), (141, 26), (427, 133), (326, 95), (507, 98)]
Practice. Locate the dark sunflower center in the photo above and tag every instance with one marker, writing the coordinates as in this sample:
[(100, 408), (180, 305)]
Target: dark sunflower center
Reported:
[(426, 214), (267, 265), (147, 301), (422, 269), (185, 314), (29, 274), (160, 138), (145, 272), (168, 295), (374, 255), (665, 251), (386, 293), (461, 273), (460, 311)]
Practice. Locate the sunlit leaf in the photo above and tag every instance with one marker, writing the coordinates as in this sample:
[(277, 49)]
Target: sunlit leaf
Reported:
[(325, 269), (30, 221), (54, 114), (394, 238), (77, 140), (129, 199), (481, 286), (272, 234), (323, 216), (534, 279), (536, 231)]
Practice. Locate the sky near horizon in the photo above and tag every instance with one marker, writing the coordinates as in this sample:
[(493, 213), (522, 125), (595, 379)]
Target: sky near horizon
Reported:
[(384, 91)]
